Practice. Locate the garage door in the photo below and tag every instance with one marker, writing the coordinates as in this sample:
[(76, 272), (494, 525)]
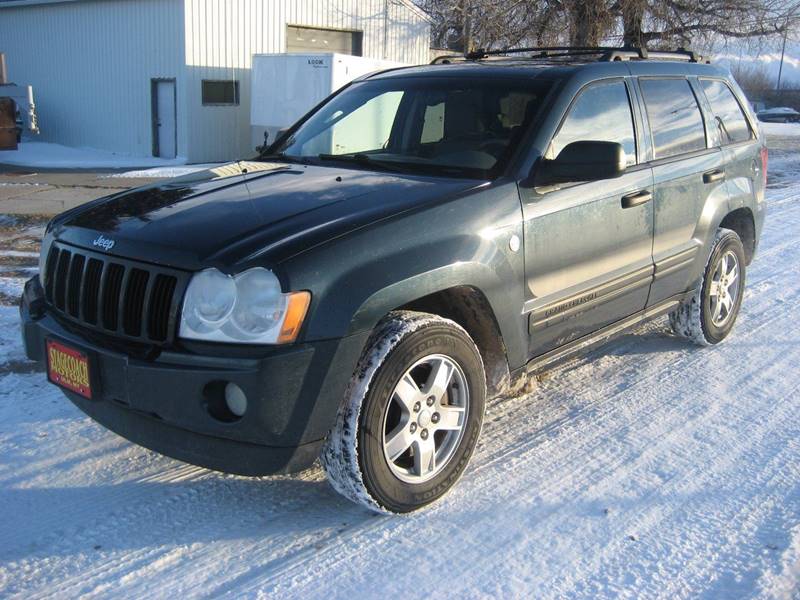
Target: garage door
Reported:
[(311, 39)]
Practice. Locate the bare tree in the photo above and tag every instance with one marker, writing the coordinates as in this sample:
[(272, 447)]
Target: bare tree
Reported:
[(754, 79), (589, 21), (464, 25), (685, 21), (469, 24)]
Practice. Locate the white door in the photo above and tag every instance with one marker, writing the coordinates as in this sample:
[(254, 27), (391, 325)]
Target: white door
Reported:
[(165, 118)]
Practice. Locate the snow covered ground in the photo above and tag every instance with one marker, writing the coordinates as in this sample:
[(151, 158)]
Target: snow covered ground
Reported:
[(781, 129), (648, 469), (45, 155)]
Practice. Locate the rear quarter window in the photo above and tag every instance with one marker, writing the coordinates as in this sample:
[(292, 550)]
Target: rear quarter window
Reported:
[(676, 122), (728, 113)]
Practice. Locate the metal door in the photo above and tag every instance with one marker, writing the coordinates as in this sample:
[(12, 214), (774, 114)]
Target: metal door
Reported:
[(165, 134)]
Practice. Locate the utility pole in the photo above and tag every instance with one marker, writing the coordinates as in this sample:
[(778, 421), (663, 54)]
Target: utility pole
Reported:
[(780, 67)]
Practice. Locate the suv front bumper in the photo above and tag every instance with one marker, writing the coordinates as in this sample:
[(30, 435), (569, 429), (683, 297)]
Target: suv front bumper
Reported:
[(163, 403)]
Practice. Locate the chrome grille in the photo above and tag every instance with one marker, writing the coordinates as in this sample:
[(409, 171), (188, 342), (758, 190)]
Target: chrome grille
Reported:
[(115, 296)]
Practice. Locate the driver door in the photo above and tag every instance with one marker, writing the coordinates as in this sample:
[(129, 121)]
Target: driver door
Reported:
[(588, 245)]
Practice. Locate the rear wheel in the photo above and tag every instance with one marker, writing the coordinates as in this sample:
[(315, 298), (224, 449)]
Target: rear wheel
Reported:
[(709, 315), (411, 417)]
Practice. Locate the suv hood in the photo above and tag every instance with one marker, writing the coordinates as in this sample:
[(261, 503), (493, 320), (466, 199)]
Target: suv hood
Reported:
[(244, 212)]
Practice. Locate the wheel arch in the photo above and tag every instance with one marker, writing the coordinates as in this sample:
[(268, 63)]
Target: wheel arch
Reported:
[(742, 222), (451, 292), (469, 307)]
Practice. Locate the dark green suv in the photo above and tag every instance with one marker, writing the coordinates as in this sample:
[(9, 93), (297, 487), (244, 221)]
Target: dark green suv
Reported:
[(419, 242)]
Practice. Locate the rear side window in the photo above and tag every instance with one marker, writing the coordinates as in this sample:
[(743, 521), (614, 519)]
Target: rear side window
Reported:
[(728, 112), (602, 113), (675, 118)]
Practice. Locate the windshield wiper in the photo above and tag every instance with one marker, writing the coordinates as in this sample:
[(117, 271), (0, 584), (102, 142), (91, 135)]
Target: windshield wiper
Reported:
[(360, 158)]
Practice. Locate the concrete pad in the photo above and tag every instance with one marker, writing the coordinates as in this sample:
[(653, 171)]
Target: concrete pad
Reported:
[(31, 192), (76, 179), (50, 200)]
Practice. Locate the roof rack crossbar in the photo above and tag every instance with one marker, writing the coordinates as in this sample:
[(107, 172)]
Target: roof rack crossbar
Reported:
[(606, 53)]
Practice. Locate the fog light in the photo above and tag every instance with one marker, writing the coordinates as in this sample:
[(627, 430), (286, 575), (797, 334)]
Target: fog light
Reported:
[(235, 399)]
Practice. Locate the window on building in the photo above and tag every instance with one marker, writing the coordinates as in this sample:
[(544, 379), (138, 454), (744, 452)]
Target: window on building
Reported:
[(728, 112), (220, 92), (675, 118), (602, 113), (312, 39)]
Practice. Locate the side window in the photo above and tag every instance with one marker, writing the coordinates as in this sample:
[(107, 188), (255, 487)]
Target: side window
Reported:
[(675, 118), (733, 126), (602, 113)]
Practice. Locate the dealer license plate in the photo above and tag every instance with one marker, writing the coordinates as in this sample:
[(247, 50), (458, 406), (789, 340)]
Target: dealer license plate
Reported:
[(68, 368)]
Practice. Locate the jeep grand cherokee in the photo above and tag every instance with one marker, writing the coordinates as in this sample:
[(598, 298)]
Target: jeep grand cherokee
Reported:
[(416, 244)]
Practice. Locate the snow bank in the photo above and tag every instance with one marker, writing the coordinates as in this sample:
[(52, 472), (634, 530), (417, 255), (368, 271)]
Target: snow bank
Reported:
[(781, 129), (55, 156), (158, 172)]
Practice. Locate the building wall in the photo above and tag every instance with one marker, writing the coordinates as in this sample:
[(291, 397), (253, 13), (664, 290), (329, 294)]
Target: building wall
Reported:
[(90, 64), (222, 36)]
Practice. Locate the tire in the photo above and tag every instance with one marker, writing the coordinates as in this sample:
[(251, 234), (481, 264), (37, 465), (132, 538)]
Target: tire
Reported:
[(402, 439), (705, 318)]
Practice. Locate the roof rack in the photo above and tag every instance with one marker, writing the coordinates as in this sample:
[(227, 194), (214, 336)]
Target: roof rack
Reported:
[(603, 53)]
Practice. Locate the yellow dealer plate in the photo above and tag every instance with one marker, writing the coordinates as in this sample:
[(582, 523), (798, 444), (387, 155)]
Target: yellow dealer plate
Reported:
[(68, 368)]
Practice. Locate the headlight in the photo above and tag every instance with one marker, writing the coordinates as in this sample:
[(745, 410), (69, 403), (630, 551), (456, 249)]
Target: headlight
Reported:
[(209, 301), (247, 309)]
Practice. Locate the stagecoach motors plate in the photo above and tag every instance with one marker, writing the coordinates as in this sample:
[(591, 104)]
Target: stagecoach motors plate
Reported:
[(68, 368)]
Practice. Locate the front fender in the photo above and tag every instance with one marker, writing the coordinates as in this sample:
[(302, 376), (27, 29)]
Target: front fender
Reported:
[(356, 280)]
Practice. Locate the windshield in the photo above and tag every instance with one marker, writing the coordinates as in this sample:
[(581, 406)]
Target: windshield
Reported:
[(437, 126)]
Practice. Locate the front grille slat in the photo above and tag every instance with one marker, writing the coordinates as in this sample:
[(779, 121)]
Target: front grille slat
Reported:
[(50, 272), (113, 296), (158, 312), (60, 279), (74, 284), (91, 290), (134, 302)]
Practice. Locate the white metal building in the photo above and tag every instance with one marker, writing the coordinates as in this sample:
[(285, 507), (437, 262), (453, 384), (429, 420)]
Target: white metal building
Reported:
[(172, 77)]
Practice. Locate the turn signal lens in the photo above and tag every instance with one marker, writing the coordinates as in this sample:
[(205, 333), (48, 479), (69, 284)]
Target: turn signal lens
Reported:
[(296, 309)]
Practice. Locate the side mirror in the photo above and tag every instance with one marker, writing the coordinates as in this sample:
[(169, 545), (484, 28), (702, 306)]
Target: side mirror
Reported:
[(582, 161)]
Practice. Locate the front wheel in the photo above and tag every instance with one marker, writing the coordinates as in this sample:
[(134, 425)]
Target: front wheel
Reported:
[(708, 316), (411, 416)]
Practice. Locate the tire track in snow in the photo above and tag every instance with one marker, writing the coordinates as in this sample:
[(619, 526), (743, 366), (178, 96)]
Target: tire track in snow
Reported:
[(761, 325), (549, 459)]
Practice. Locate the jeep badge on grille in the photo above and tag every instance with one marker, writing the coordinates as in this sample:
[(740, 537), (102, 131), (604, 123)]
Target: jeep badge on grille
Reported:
[(105, 243)]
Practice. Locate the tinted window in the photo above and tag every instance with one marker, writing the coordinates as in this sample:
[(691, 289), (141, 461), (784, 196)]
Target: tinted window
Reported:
[(675, 118), (220, 92), (728, 113), (601, 113)]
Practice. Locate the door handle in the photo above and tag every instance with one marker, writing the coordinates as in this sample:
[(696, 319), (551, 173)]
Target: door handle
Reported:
[(713, 176), (636, 199)]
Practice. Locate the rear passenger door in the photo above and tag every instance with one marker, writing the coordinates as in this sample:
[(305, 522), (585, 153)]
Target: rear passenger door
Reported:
[(740, 148), (588, 256), (686, 173)]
